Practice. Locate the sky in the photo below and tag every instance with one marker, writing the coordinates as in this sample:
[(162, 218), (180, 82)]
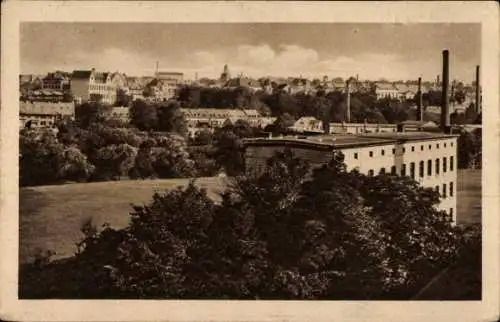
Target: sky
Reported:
[(373, 51)]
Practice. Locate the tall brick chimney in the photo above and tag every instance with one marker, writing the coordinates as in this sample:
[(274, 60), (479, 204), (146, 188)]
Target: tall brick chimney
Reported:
[(478, 90), (420, 108), (348, 101), (445, 100)]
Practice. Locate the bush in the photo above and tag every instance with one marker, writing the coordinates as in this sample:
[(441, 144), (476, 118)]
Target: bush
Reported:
[(285, 234)]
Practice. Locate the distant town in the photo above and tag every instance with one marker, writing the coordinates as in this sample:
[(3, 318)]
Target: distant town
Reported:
[(45, 98), (250, 188)]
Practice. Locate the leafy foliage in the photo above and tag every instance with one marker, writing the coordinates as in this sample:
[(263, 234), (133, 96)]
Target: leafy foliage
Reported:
[(470, 149), (287, 233), (44, 160)]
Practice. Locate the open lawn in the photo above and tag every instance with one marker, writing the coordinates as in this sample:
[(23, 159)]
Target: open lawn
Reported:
[(51, 216)]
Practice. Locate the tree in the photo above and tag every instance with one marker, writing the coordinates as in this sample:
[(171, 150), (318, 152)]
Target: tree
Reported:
[(91, 113), (393, 111), (122, 99), (171, 118), (469, 149), (114, 161), (170, 157), (143, 115), (229, 152), (44, 160), (73, 165), (286, 233), (283, 122)]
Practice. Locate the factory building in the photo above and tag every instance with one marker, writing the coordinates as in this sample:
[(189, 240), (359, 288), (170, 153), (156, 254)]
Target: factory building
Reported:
[(428, 158)]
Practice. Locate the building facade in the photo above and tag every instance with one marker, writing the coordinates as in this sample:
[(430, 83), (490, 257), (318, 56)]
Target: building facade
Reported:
[(199, 119), (428, 158), (44, 114), (89, 85), (56, 81)]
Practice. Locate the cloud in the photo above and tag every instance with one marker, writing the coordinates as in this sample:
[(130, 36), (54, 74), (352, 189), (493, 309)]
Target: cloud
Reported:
[(251, 60)]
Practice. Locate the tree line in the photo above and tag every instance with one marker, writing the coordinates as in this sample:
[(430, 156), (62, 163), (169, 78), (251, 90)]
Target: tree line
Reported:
[(154, 144)]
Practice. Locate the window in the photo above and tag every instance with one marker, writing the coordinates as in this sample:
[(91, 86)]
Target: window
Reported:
[(382, 152), (444, 190), (437, 166), (370, 173), (429, 167), (444, 145), (421, 169), (382, 171), (404, 150), (444, 165), (356, 155), (371, 154), (403, 170), (412, 149), (393, 151), (430, 147), (451, 163), (437, 189), (451, 189), (451, 143), (393, 170), (437, 146), (412, 170), (421, 148), (451, 212)]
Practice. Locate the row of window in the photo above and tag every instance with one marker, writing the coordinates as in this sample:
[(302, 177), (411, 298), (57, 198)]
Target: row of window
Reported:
[(422, 147), (100, 87), (421, 170), (444, 193)]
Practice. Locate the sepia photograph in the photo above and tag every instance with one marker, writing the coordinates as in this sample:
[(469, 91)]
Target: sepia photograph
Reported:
[(250, 160)]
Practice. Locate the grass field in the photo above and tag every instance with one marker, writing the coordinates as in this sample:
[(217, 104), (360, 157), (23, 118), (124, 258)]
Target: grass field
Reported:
[(51, 216)]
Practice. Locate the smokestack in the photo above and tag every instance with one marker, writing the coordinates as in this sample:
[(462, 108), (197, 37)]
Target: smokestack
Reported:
[(478, 90), (420, 109), (348, 101), (445, 103)]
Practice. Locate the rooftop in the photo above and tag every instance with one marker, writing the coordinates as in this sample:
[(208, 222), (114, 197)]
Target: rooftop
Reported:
[(343, 141), (319, 141)]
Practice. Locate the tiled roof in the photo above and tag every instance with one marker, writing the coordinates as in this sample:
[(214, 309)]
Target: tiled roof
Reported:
[(218, 113), (46, 108), (82, 74), (385, 86)]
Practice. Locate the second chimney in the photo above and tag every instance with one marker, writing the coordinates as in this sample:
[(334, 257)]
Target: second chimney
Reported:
[(445, 103), (348, 101), (420, 109), (478, 90)]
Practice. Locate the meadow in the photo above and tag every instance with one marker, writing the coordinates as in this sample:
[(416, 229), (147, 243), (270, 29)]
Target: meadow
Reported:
[(51, 216)]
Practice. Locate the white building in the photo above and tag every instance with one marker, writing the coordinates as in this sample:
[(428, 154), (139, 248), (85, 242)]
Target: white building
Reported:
[(428, 158), (44, 114), (210, 118), (87, 85), (308, 124), (386, 90)]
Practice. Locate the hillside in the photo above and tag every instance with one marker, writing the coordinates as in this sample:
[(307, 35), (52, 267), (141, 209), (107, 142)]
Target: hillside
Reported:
[(50, 216)]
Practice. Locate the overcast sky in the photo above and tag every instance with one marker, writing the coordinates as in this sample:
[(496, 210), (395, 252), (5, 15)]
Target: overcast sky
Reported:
[(391, 51)]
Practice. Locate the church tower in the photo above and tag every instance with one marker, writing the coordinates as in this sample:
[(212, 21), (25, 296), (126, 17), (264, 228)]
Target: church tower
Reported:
[(225, 76)]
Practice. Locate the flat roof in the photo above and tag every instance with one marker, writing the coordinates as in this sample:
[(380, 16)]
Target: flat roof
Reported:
[(411, 136), (332, 141), (322, 142)]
